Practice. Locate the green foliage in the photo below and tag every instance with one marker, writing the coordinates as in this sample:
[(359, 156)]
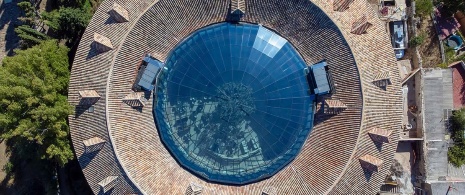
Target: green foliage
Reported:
[(456, 154), (33, 101), (8, 168), (452, 6), (417, 40), (67, 21), (423, 7), (457, 121), (29, 36), (29, 12)]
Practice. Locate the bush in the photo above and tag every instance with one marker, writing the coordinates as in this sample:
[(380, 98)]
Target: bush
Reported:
[(417, 40), (424, 7), (456, 154)]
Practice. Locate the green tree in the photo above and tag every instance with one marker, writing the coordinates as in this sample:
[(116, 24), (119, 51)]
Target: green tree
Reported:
[(29, 36), (33, 101), (456, 153), (68, 22), (424, 7), (29, 12)]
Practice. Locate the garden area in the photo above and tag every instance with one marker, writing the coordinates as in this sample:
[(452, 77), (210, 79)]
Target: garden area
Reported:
[(36, 151), (435, 27), (456, 153)]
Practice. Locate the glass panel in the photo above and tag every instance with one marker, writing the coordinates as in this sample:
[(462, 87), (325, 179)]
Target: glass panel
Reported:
[(234, 103)]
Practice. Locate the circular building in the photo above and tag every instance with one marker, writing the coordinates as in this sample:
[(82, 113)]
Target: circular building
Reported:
[(235, 97)]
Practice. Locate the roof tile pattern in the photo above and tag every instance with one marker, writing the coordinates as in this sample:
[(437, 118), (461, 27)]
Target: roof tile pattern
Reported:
[(136, 153)]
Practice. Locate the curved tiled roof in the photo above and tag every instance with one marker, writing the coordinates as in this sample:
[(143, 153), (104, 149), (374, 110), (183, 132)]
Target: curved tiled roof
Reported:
[(328, 162)]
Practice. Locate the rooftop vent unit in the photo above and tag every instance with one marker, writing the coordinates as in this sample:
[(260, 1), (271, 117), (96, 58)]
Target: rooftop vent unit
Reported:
[(380, 135), (135, 99), (370, 163), (334, 106), (237, 8), (320, 79), (88, 97), (147, 74), (108, 183), (194, 189), (102, 43), (119, 14), (360, 26), (382, 79), (341, 5), (93, 144)]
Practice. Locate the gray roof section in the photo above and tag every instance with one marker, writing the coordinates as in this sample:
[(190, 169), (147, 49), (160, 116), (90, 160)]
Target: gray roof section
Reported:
[(437, 98), (321, 79), (442, 188)]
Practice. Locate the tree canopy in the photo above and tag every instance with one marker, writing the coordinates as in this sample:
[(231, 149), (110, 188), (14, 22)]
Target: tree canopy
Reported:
[(456, 153), (67, 21), (452, 6), (33, 100)]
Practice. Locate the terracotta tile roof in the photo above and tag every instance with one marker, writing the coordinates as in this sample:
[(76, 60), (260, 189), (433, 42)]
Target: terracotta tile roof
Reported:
[(327, 164)]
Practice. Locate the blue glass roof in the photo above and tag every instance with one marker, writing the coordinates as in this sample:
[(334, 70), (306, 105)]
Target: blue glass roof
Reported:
[(233, 103)]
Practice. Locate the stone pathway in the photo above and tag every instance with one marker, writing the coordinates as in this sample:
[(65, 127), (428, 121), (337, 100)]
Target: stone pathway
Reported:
[(9, 13)]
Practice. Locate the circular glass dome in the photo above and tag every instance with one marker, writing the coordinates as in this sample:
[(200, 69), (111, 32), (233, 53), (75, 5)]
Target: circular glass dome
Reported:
[(233, 103)]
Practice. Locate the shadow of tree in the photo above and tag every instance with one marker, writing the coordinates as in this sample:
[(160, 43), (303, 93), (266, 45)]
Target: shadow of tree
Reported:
[(29, 173), (9, 14)]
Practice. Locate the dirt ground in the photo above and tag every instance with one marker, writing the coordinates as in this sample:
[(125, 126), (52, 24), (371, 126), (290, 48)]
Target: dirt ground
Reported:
[(429, 50)]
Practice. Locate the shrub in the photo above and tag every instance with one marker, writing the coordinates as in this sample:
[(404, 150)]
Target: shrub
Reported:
[(417, 40), (456, 154), (424, 7)]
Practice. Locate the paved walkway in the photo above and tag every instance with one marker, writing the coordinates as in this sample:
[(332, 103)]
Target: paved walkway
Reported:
[(438, 101), (9, 14)]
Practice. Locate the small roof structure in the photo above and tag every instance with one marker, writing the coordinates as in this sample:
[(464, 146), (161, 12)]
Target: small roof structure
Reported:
[(119, 14), (89, 94), (382, 79), (194, 189), (341, 5), (238, 5), (93, 141), (360, 26), (88, 97), (269, 191), (108, 183), (370, 162), (102, 43), (320, 78), (380, 135), (148, 73), (135, 99), (335, 104)]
